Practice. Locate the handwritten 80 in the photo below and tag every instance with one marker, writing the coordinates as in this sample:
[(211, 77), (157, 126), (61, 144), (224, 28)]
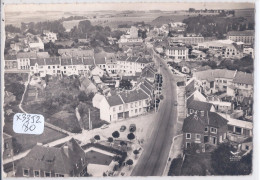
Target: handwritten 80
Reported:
[(28, 123)]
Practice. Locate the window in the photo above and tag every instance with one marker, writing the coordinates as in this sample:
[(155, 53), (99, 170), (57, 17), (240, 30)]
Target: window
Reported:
[(188, 135), (58, 66), (198, 136), (36, 173), (49, 67), (47, 174), (206, 129), (140, 109), (247, 147), (202, 113), (140, 103), (135, 104), (191, 111), (26, 172), (187, 144), (238, 130), (53, 67), (131, 105), (246, 132), (58, 71), (246, 85), (136, 111), (213, 130), (120, 107), (114, 109), (225, 81)]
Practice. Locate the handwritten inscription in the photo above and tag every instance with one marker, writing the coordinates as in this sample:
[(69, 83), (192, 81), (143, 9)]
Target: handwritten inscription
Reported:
[(28, 123)]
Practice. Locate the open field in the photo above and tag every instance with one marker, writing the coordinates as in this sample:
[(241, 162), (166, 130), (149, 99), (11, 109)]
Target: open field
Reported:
[(94, 157)]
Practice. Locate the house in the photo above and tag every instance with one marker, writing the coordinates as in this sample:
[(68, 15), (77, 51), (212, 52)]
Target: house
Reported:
[(221, 106), (97, 99), (23, 58), (97, 71), (10, 61), (223, 48), (130, 65), (214, 80), (200, 107), (200, 55), (36, 44), (124, 105), (243, 84), (149, 72), (207, 128), (96, 79), (61, 66), (176, 52), (192, 92), (248, 36), (87, 86), (107, 62), (186, 40), (49, 36), (8, 146), (43, 161), (249, 51), (75, 52), (238, 130)]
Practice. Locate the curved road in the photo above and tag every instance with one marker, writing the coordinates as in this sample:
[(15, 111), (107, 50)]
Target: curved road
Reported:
[(155, 156)]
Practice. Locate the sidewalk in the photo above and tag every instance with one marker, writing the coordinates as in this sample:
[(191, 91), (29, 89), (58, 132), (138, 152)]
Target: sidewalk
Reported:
[(175, 151)]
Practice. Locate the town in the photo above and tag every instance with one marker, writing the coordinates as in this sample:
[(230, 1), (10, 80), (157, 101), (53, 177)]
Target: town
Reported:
[(131, 93)]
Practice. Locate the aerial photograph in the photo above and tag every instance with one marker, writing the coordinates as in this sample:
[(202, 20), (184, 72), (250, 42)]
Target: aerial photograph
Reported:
[(128, 89)]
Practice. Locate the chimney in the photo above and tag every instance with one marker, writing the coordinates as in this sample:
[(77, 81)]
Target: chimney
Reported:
[(66, 150)]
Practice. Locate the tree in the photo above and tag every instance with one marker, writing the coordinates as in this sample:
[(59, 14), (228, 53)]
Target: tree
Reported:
[(224, 165), (110, 140), (130, 136), (116, 134), (97, 137), (125, 84), (136, 152), (129, 162)]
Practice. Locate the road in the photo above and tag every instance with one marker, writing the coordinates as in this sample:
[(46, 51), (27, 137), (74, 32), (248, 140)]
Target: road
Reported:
[(155, 156)]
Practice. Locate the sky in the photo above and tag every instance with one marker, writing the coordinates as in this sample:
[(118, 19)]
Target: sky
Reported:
[(124, 6)]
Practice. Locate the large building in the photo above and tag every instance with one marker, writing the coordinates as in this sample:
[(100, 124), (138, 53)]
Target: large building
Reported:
[(42, 161), (23, 58), (247, 37), (175, 52), (204, 128), (61, 66), (186, 40), (233, 83), (223, 48), (130, 65), (124, 105)]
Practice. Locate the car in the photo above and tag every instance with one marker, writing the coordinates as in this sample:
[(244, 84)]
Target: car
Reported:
[(104, 126), (123, 128), (132, 128)]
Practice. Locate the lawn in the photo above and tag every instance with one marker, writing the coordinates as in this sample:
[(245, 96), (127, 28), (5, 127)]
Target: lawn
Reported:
[(94, 157), (197, 165), (23, 142)]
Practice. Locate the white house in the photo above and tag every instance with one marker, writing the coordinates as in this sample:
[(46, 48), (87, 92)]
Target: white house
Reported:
[(97, 99), (49, 36), (97, 71), (124, 105), (23, 58), (175, 52)]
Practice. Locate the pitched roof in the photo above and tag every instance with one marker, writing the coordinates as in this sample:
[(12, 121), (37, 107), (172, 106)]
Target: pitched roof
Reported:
[(199, 105), (134, 78), (10, 57), (33, 55), (190, 88), (52, 61), (211, 74), (148, 72), (132, 96), (177, 48), (244, 78), (75, 52), (102, 57), (53, 159), (197, 124), (241, 33), (114, 100), (40, 62), (146, 90)]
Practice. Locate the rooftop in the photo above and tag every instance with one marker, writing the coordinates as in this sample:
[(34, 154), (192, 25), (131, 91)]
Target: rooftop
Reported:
[(200, 105), (244, 78), (241, 33)]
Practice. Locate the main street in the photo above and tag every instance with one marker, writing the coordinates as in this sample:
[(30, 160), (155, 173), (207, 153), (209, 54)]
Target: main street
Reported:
[(153, 160)]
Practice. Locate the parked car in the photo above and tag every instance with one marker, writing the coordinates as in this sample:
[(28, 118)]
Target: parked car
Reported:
[(104, 126), (132, 128), (123, 128)]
